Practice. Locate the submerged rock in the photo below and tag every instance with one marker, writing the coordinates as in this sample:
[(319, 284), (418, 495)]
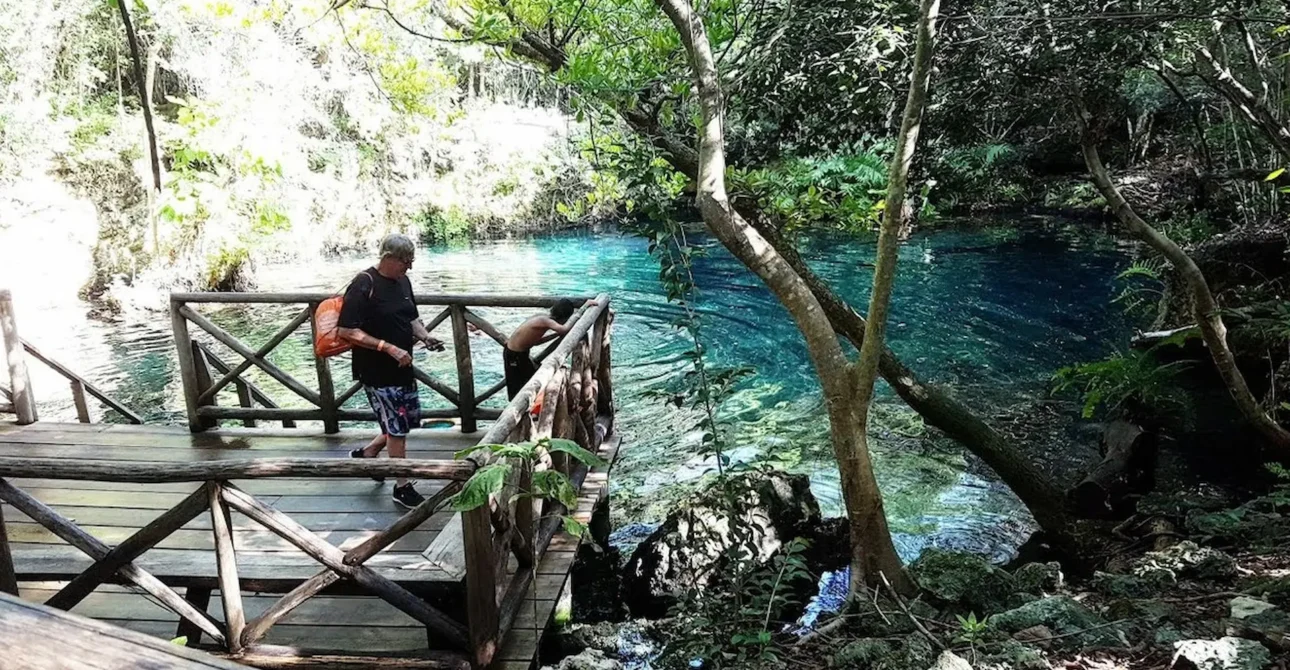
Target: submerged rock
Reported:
[(964, 579), (755, 514), (1063, 616), (1228, 653)]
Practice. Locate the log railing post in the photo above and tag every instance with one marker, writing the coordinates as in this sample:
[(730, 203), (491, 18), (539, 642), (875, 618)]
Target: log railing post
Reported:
[(78, 398), (244, 399), (326, 388), (465, 368), (482, 613), (8, 578), (230, 587), (604, 367), (202, 375), (24, 401), (187, 367)]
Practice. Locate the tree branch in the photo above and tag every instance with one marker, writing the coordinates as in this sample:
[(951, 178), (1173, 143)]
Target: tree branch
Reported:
[(411, 31), (1220, 78)]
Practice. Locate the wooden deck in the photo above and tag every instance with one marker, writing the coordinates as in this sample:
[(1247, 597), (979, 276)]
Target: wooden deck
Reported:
[(45, 638), (344, 512)]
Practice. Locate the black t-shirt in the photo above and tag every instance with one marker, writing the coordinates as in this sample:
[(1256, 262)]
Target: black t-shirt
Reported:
[(384, 309)]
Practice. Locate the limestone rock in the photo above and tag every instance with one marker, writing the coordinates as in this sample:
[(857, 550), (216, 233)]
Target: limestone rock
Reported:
[(964, 579), (1228, 653), (1037, 635), (587, 660), (1132, 586), (1244, 607), (912, 651), (951, 661), (862, 653), (686, 552), (1187, 559), (1013, 655), (1039, 578), (1260, 620), (1063, 616)]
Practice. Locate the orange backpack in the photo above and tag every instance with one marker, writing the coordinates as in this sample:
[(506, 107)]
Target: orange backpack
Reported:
[(327, 339)]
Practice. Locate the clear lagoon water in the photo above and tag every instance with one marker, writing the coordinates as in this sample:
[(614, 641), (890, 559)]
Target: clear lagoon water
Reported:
[(995, 308)]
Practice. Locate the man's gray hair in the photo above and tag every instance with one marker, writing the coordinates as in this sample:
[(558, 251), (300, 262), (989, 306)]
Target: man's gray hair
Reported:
[(398, 246)]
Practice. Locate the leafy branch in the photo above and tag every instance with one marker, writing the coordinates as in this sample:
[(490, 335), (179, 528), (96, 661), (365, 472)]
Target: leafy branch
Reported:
[(490, 480)]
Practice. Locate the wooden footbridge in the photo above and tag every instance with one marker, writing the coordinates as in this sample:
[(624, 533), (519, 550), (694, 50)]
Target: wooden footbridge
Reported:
[(269, 546)]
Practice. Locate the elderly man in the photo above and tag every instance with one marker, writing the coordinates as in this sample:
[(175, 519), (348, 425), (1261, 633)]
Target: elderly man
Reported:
[(380, 318)]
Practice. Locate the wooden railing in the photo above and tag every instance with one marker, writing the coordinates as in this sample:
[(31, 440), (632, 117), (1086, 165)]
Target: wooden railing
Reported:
[(493, 551), (197, 362), (19, 398), (575, 390), (217, 496)]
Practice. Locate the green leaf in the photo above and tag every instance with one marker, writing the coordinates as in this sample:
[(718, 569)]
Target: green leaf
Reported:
[(555, 485), (1275, 173), (470, 450), (581, 455), (485, 483), (182, 641), (574, 527)]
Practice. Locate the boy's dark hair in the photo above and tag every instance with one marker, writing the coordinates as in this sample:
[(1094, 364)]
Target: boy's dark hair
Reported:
[(562, 310)]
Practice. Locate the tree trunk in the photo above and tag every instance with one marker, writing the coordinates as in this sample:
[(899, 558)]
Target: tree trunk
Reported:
[(144, 94), (893, 217), (872, 551), (1205, 309), (1220, 79), (937, 406)]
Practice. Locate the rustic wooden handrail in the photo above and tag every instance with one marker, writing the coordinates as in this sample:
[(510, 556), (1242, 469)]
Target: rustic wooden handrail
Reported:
[(488, 536), (325, 404), (162, 472), (247, 393), (21, 399), (217, 496)]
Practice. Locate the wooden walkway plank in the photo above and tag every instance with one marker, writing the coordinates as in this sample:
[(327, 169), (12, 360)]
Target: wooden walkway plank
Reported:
[(129, 518), (46, 638)]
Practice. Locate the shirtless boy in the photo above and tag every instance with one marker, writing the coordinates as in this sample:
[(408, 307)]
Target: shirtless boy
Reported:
[(515, 357)]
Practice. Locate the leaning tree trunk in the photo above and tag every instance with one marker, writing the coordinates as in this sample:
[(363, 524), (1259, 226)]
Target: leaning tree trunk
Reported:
[(872, 552), (145, 96), (1205, 309), (872, 346)]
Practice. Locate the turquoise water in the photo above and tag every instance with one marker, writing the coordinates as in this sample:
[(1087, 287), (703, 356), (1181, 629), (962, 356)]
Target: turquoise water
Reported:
[(985, 309)]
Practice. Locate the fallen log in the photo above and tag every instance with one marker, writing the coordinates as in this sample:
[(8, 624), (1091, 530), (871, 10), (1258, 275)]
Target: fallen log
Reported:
[(1127, 468)]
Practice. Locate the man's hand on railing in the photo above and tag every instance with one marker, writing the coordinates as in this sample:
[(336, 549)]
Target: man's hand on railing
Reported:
[(432, 343)]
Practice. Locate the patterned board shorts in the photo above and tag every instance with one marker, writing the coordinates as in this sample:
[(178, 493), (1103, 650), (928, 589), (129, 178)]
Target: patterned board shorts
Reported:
[(398, 408)]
